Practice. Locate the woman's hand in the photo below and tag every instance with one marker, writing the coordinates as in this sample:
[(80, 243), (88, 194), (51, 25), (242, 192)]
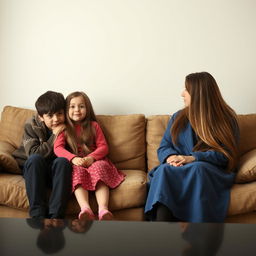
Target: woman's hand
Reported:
[(179, 160)]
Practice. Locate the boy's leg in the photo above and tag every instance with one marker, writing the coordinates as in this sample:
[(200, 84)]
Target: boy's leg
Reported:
[(35, 175), (61, 187)]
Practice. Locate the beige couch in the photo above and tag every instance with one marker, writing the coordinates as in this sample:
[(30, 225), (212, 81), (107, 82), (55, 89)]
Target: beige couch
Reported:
[(133, 141)]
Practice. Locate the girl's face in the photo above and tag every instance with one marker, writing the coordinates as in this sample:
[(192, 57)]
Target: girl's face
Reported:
[(186, 97), (77, 109)]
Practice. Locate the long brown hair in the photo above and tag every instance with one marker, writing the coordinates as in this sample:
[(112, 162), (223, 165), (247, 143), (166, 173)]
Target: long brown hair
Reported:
[(213, 121), (87, 132)]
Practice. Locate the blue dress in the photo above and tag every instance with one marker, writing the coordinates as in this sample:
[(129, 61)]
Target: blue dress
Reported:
[(195, 192)]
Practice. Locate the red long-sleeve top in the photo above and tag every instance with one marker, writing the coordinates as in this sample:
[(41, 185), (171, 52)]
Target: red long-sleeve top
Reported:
[(99, 148)]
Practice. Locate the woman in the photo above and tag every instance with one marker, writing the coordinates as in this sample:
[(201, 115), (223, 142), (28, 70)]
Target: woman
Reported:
[(198, 156)]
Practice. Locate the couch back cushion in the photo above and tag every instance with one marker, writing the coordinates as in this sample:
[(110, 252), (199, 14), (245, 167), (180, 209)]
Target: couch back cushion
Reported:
[(247, 125), (125, 135), (156, 126), (12, 124)]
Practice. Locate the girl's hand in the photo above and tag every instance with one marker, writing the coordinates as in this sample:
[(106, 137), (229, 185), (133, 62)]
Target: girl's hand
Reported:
[(58, 129), (179, 160), (88, 160), (79, 161)]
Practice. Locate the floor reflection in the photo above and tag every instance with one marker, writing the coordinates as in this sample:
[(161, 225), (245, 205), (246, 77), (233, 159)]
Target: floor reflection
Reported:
[(202, 239), (51, 238)]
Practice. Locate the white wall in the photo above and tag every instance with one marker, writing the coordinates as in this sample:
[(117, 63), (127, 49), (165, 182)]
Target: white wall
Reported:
[(129, 56)]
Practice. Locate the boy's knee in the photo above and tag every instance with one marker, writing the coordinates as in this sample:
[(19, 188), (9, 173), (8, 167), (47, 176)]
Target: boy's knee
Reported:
[(62, 165), (61, 161), (35, 165), (35, 159)]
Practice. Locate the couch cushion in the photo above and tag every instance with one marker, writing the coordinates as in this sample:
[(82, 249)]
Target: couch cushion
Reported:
[(247, 124), (12, 124), (125, 135), (247, 167), (156, 126), (242, 199), (7, 161), (131, 193), (12, 191)]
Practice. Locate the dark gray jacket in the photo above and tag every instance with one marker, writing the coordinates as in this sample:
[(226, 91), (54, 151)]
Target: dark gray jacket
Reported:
[(37, 139)]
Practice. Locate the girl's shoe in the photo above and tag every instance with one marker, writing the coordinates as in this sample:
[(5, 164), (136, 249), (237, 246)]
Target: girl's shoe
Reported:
[(86, 214), (105, 214)]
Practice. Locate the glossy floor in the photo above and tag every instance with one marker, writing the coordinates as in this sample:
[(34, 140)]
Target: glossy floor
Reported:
[(71, 237)]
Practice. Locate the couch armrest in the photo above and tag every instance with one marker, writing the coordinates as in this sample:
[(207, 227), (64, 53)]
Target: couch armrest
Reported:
[(7, 161), (247, 167)]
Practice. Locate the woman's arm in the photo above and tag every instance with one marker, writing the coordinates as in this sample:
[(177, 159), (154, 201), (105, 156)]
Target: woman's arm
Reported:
[(211, 156)]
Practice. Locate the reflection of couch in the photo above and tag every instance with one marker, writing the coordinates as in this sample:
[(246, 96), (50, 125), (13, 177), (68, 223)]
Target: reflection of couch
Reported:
[(133, 141)]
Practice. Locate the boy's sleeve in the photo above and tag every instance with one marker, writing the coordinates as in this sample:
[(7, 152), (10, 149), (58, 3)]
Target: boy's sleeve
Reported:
[(34, 144)]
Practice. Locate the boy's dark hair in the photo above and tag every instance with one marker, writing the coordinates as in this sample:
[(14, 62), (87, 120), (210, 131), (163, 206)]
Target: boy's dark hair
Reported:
[(50, 103)]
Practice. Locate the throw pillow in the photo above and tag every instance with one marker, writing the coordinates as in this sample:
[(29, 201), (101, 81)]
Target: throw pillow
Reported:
[(8, 163), (247, 167)]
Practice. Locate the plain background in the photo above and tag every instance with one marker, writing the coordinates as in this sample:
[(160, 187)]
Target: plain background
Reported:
[(129, 56)]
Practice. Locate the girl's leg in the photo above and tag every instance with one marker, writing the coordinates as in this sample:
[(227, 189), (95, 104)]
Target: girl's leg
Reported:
[(82, 197), (102, 197)]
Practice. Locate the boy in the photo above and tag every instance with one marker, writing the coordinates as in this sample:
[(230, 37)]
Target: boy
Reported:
[(41, 168)]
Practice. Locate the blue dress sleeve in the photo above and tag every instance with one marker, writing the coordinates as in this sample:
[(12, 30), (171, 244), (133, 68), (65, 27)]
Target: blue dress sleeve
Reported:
[(212, 157), (166, 147)]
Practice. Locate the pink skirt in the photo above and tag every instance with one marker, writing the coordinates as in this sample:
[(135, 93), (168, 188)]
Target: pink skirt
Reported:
[(101, 170)]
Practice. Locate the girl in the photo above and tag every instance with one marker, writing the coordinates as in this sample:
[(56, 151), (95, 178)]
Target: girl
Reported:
[(198, 156), (84, 144)]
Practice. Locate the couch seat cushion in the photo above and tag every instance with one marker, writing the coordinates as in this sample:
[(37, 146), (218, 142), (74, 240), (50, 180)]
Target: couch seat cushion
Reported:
[(12, 191), (131, 193), (242, 199)]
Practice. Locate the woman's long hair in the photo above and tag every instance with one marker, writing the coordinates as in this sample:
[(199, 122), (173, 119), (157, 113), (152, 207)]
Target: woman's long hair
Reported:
[(213, 121), (87, 135)]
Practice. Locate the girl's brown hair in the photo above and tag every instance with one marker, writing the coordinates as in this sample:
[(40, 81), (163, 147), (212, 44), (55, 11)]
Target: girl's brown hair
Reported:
[(213, 121), (87, 132)]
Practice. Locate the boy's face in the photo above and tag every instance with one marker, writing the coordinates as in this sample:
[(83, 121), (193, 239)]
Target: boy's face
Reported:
[(53, 120)]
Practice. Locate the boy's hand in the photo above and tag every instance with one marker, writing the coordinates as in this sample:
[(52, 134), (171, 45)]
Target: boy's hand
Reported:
[(58, 129)]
